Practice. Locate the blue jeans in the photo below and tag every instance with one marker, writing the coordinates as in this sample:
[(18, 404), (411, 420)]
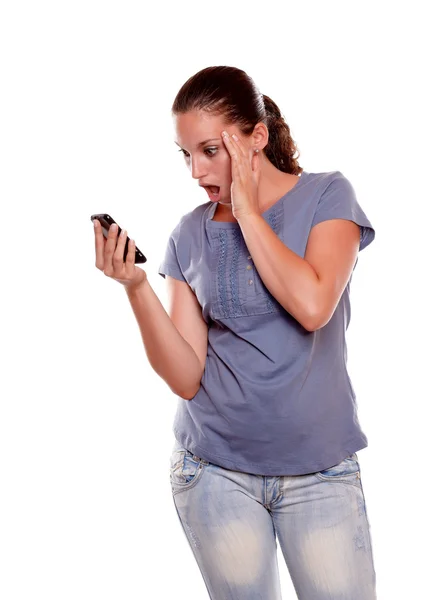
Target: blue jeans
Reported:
[(232, 521)]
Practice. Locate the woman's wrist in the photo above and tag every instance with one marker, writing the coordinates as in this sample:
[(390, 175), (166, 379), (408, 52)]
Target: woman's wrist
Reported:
[(133, 288)]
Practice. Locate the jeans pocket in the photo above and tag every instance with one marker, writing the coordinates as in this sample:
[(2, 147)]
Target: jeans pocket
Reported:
[(185, 470), (347, 471)]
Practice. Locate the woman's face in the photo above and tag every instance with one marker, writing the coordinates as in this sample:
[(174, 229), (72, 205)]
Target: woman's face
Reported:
[(198, 134)]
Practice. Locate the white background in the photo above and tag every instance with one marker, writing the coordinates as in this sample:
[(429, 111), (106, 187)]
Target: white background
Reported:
[(86, 90)]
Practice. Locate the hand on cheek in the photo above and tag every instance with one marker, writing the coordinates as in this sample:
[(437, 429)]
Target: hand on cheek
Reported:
[(245, 172)]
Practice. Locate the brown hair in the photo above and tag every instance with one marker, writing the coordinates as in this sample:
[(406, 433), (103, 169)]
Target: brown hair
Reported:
[(231, 93)]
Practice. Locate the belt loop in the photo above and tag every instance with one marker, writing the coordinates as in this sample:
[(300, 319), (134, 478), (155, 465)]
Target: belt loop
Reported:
[(200, 460)]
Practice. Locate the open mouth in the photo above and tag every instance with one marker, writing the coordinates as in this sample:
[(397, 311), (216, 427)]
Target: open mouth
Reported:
[(213, 191)]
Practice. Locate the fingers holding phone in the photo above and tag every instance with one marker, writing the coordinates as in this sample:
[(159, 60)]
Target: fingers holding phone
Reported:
[(110, 255), (100, 242), (106, 222)]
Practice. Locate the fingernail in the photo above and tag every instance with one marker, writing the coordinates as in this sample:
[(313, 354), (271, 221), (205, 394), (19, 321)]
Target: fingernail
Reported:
[(225, 134)]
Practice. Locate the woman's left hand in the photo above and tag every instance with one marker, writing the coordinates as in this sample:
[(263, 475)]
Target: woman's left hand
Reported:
[(245, 177)]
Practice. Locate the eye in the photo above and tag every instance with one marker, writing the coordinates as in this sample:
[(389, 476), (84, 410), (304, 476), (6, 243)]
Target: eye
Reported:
[(207, 151)]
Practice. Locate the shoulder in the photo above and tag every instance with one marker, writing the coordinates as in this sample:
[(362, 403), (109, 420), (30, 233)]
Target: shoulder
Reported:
[(190, 223), (336, 198), (329, 189), (319, 182)]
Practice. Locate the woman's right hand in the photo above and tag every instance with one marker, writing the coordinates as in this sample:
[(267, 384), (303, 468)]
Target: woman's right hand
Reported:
[(109, 257)]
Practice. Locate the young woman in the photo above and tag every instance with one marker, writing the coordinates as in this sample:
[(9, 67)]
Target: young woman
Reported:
[(254, 347)]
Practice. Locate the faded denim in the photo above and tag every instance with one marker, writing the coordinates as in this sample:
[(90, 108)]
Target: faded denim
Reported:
[(232, 521)]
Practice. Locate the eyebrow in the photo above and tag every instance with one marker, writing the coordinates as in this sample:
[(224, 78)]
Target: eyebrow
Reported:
[(202, 143)]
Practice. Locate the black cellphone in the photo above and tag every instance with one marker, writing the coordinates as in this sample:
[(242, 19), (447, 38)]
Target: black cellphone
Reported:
[(106, 221)]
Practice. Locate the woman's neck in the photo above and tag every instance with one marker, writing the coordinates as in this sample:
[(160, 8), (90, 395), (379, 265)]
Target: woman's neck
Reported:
[(273, 185)]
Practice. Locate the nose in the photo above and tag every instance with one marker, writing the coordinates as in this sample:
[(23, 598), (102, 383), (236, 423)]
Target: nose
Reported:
[(197, 169)]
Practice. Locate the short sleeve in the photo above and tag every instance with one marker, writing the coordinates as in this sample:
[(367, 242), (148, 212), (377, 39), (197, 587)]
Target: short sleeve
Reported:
[(170, 263), (338, 201)]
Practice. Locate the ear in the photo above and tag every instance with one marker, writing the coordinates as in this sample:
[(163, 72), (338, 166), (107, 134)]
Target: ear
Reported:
[(260, 136)]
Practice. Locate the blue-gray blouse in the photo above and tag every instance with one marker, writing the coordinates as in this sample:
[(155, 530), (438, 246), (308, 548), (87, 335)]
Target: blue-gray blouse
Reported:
[(275, 399)]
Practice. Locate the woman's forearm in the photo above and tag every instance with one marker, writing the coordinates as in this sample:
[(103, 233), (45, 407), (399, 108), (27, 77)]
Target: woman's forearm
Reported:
[(169, 354)]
